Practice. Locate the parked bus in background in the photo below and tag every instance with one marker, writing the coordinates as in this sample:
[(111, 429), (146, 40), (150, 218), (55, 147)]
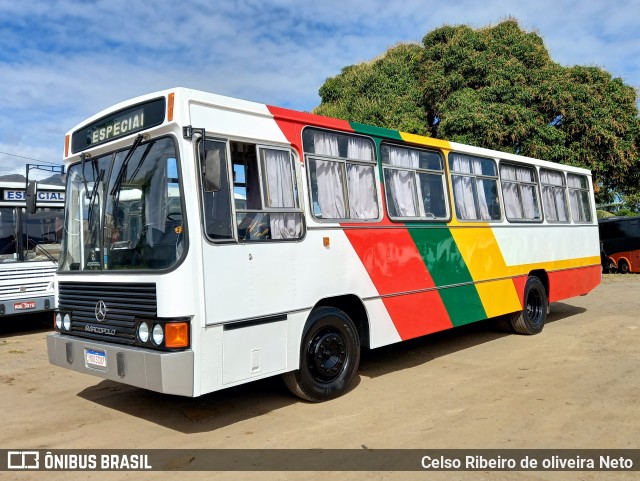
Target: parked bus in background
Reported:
[(211, 241), (29, 247), (620, 239)]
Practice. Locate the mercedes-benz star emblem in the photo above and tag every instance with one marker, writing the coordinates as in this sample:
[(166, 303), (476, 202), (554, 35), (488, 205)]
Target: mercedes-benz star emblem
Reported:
[(101, 311)]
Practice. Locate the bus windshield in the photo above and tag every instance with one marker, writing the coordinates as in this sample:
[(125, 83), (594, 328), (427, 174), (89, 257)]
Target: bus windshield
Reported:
[(30, 237), (124, 213)]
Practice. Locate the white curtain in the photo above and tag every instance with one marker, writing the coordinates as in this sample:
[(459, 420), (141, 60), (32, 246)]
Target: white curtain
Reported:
[(575, 182), (522, 204), (280, 193), (279, 178), (359, 149), (362, 192), (330, 189), (325, 144), (578, 199), (361, 187), (329, 177), (554, 195), (403, 182), (463, 188), (561, 203)]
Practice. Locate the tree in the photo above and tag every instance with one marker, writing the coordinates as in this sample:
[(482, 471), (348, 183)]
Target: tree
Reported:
[(497, 87)]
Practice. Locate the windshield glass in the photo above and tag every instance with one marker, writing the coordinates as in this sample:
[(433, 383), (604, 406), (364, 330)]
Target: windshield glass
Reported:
[(127, 215), (30, 237)]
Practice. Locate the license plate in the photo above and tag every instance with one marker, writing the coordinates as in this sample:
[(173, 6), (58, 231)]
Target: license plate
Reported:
[(95, 359), (19, 306)]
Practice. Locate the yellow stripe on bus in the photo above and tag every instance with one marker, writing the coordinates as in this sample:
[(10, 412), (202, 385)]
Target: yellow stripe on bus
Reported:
[(426, 141)]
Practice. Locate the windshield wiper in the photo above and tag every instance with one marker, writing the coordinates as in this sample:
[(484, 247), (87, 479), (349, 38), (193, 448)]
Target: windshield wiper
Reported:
[(38, 247), (92, 196), (123, 167)]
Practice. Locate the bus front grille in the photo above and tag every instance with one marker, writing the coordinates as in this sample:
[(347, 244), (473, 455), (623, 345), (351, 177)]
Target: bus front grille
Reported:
[(121, 304), (29, 280)]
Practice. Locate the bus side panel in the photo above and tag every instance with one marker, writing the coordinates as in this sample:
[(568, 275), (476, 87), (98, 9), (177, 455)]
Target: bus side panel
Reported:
[(551, 248), (396, 267), (573, 282)]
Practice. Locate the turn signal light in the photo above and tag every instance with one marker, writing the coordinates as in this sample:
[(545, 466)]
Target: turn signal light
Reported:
[(170, 107), (176, 334)]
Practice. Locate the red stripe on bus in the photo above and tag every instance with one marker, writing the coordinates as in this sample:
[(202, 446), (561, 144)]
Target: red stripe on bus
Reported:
[(292, 122), (395, 265), (573, 282), (519, 283), (418, 314)]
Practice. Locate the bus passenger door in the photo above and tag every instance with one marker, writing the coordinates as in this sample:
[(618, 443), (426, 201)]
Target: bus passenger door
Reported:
[(253, 223)]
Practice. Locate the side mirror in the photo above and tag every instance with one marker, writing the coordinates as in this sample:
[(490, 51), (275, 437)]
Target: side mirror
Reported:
[(32, 196)]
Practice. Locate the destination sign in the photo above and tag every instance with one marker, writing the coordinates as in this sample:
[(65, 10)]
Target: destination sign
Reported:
[(133, 121), (43, 195), (120, 124)]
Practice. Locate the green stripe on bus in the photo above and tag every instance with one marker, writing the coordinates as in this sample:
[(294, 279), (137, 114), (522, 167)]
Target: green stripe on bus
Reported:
[(375, 131), (444, 262)]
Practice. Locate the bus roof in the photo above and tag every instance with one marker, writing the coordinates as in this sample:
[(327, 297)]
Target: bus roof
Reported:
[(238, 106)]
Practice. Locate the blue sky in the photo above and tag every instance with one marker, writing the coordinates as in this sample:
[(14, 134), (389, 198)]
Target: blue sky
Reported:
[(62, 61)]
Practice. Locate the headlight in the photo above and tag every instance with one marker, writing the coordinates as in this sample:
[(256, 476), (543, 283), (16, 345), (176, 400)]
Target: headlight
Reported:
[(143, 332), (67, 322), (58, 321), (158, 335)]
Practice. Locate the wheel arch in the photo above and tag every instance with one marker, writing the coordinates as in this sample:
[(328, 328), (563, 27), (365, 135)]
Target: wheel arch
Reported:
[(544, 278), (353, 307), (625, 260)]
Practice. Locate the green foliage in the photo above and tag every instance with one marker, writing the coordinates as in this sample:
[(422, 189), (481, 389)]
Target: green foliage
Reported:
[(603, 214), (497, 87), (384, 92)]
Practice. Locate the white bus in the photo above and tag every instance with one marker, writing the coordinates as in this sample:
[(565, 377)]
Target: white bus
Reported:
[(211, 241), (29, 248)]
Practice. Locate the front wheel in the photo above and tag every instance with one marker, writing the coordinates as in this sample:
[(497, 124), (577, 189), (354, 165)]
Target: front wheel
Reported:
[(531, 319), (329, 357)]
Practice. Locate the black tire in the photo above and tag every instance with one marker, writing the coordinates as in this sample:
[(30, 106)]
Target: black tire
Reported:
[(612, 267), (531, 319), (329, 357), (623, 266)]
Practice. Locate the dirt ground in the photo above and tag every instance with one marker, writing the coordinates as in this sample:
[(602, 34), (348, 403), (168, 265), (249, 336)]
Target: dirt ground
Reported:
[(575, 385)]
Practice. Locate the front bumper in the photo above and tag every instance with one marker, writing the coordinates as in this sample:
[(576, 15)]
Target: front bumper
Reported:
[(166, 372), (26, 305)]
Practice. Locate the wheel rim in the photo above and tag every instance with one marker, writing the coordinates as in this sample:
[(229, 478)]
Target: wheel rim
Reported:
[(327, 354), (535, 307), (624, 267)]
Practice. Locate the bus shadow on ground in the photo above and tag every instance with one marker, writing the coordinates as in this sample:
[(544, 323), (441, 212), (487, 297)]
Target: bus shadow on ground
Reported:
[(418, 351), (232, 405), (194, 415)]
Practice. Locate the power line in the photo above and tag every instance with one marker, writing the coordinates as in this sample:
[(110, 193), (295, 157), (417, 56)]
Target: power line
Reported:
[(28, 158)]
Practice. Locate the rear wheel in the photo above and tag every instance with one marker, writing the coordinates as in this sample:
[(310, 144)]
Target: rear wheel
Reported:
[(329, 357), (531, 319), (623, 266)]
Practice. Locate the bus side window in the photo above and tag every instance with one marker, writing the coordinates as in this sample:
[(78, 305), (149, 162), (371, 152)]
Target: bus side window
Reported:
[(414, 183), (579, 199), (216, 195), (520, 193), (265, 193), (475, 187)]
